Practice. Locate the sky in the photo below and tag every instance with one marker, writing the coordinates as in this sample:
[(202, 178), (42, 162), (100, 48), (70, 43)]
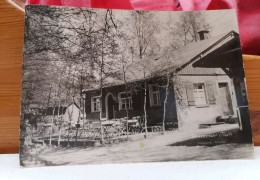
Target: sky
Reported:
[(221, 21)]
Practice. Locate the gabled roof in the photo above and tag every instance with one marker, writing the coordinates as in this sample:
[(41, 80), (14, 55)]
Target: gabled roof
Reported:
[(73, 103), (140, 70), (196, 50)]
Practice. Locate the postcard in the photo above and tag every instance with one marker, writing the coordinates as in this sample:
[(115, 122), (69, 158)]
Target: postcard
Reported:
[(118, 86)]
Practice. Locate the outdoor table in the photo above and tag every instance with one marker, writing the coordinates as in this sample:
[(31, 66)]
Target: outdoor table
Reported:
[(107, 123), (132, 121)]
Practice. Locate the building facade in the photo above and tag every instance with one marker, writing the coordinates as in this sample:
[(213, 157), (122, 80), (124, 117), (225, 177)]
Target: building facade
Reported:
[(200, 92), (119, 103)]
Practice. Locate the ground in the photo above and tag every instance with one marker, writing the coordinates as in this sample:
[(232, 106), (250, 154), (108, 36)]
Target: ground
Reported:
[(220, 142)]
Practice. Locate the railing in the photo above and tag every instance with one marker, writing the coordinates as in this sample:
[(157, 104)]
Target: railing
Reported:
[(91, 130)]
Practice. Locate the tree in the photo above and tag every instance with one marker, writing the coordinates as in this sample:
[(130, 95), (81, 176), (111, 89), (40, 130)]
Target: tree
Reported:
[(188, 26), (144, 30), (107, 50), (124, 64), (63, 45)]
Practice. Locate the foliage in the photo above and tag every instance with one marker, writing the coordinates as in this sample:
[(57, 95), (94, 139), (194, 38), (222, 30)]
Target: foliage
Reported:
[(69, 50), (188, 26)]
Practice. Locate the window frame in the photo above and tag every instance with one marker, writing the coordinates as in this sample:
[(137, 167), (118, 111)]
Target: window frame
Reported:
[(205, 94), (151, 93), (92, 103), (120, 101)]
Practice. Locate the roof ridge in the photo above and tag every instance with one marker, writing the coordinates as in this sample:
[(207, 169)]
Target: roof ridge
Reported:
[(205, 50)]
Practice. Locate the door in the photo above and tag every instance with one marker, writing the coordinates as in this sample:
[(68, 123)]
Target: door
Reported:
[(199, 94), (225, 99), (110, 106)]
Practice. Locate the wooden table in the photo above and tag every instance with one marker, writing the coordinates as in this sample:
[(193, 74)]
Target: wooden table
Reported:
[(11, 46)]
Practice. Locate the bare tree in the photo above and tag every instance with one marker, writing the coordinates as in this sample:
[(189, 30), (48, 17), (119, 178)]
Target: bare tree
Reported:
[(188, 26), (168, 79), (107, 49), (56, 34), (144, 30)]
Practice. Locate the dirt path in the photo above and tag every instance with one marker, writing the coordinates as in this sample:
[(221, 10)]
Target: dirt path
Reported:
[(153, 149)]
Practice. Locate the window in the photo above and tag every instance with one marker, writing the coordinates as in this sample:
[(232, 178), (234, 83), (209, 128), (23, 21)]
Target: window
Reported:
[(199, 94), (125, 101), (154, 95), (95, 104)]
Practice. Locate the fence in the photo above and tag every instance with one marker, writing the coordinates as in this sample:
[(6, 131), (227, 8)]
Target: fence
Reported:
[(89, 130)]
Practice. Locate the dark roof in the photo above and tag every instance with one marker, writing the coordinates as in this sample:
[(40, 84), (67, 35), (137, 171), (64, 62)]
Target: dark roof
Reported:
[(58, 110), (194, 51), (55, 111), (206, 31)]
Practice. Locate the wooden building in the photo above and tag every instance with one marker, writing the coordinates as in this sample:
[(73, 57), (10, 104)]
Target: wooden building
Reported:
[(207, 82)]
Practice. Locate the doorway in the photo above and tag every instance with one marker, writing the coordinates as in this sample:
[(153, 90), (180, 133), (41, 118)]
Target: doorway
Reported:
[(225, 99), (110, 106)]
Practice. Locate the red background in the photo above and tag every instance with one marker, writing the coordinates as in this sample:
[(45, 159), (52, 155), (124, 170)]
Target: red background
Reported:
[(248, 12)]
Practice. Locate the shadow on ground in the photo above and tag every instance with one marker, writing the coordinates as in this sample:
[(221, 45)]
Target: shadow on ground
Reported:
[(209, 140)]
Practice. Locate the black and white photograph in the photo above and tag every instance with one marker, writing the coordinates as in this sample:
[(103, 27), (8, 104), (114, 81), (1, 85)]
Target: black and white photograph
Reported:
[(104, 86)]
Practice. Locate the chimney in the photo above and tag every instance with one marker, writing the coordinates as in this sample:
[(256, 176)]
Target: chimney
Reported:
[(203, 34)]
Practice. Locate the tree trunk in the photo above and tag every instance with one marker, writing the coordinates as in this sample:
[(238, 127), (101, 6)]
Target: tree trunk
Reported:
[(101, 95), (70, 119), (126, 108), (59, 136), (53, 114), (48, 101), (101, 127), (77, 125), (165, 103), (59, 124), (145, 113), (83, 126), (127, 128)]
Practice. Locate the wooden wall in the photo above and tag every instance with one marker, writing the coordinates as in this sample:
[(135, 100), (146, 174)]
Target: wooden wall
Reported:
[(11, 47)]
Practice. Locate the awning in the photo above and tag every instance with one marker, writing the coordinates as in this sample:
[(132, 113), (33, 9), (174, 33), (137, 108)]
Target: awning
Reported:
[(228, 54)]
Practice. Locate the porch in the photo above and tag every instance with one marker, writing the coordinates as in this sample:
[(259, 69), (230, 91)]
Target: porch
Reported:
[(228, 57)]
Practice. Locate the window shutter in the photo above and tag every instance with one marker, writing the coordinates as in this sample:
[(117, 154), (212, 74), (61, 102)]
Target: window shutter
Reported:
[(92, 105), (190, 95), (150, 94), (210, 86)]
